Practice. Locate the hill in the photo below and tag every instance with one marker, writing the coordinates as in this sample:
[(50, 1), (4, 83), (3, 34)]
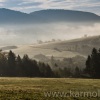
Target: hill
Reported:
[(62, 49), (82, 46), (75, 50), (66, 15), (44, 16)]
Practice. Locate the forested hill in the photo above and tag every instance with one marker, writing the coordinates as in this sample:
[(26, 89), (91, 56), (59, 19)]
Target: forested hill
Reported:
[(44, 16)]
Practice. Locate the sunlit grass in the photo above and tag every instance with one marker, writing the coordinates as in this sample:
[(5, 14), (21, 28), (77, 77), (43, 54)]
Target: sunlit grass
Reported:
[(34, 88)]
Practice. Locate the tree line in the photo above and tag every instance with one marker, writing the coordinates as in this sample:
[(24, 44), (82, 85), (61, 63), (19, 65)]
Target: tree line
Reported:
[(15, 66), (91, 70)]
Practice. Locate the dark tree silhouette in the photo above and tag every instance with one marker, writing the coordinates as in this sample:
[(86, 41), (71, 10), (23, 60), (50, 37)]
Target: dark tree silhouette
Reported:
[(3, 64), (11, 63), (77, 72), (93, 64), (88, 65), (15, 66), (19, 66)]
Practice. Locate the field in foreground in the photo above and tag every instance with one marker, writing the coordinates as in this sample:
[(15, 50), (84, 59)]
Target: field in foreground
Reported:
[(48, 89)]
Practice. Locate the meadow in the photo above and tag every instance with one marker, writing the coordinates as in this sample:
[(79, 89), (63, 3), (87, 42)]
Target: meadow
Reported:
[(38, 88)]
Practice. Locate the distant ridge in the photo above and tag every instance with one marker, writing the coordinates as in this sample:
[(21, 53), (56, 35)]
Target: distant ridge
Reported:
[(46, 16), (66, 15)]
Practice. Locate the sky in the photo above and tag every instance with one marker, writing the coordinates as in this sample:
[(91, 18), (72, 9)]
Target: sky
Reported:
[(28, 6)]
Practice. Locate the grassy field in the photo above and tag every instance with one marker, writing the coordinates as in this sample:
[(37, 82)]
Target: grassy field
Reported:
[(37, 88)]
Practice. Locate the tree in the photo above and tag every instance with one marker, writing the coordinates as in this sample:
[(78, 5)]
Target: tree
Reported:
[(11, 63), (66, 72), (30, 67), (15, 66), (93, 64), (45, 70), (77, 72), (49, 72), (19, 66), (56, 65), (88, 65), (3, 65), (53, 61)]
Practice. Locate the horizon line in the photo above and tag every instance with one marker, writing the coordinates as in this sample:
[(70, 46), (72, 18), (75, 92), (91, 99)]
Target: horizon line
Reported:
[(51, 9)]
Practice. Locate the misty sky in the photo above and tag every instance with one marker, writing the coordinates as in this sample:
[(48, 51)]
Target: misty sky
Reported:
[(45, 32), (34, 5), (30, 34)]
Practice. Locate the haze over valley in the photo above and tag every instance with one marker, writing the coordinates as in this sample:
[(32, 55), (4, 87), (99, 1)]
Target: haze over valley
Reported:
[(46, 33), (17, 28)]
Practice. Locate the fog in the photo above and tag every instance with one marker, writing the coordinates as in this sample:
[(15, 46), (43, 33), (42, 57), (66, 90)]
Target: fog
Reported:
[(29, 34)]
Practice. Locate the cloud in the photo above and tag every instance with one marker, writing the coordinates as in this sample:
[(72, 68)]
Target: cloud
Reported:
[(1, 5), (2, 0)]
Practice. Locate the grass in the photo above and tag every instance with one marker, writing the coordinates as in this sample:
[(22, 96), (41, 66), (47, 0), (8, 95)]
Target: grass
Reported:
[(35, 88)]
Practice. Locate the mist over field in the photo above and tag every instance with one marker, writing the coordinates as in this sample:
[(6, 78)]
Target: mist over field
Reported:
[(49, 49), (63, 34), (29, 34)]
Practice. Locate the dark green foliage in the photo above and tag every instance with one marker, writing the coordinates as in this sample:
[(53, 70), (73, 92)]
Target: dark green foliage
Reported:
[(77, 72), (11, 63), (19, 66), (3, 65), (93, 64), (45, 70), (66, 72), (88, 65), (15, 66)]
